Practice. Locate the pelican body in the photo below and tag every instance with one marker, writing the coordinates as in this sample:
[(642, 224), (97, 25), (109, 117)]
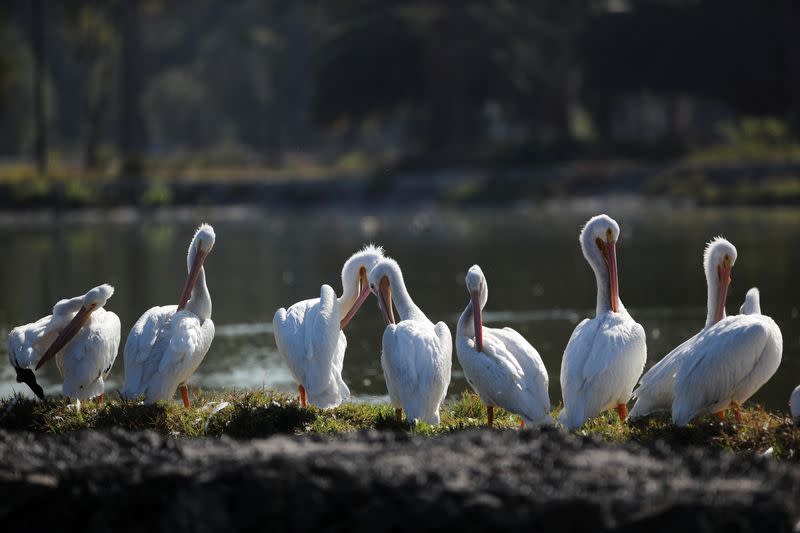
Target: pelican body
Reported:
[(81, 335), (655, 390), (168, 343), (310, 334), (499, 364), (417, 355), (606, 354), (731, 360)]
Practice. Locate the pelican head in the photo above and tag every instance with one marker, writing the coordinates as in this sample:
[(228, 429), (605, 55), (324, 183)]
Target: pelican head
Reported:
[(200, 247), (92, 301), (478, 294), (718, 260), (599, 244), (380, 280), (354, 278), (752, 303)]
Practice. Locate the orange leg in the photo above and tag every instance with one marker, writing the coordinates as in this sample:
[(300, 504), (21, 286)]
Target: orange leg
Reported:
[(184, 395), (101, 399), (521, 424), (721, 415), (398, 414), (622, 411), (490, 415), (303, 401)]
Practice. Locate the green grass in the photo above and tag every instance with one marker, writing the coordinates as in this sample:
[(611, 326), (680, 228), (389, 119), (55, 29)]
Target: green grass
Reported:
[(260, 413)]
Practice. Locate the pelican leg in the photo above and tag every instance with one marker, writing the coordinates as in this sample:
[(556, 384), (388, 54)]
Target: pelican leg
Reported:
[(184, 395), (101, 399), (303, 400), (490, 415), (521, 424), (721, 415), (622, 411), (398, 414)]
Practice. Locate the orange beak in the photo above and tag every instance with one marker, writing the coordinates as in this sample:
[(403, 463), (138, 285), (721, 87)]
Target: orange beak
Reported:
[(477, 317), (610, 257), (363, 294), (385, 301), (724, 276), (191, 279), (65, 336)]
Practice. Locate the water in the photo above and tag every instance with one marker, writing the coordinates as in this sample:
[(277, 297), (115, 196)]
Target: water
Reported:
[(538, 280)]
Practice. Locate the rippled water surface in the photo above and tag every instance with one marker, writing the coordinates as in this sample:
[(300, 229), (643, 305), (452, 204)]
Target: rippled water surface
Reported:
[(538, 280)]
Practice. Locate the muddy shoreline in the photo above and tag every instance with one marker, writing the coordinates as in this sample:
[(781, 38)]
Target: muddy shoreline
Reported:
[(550, 481)]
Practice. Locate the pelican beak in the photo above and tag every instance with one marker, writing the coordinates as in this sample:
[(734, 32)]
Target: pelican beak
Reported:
[(724, 276), (609, 249), (385, 301), (66, 335), (191, 279), (26, 376), (363, 294), (477, 317)]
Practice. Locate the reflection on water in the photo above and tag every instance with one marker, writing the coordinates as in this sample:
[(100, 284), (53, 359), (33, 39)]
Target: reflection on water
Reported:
[(539, 282)]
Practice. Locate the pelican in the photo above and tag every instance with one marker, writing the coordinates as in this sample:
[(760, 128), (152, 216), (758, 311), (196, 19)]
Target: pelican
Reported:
[(794, 403), (731, 360), (499, 364), (80, 334), (310, 335), (417, 355), (605, 355), (168, 343), (655, 390)]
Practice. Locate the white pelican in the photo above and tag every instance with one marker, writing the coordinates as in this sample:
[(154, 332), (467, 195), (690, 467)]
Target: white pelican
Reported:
[(417, 355), (80, 334), (310, 334), (168, 343), (499, 364), (605, 355), (731, 360), (655, 390), (794, 403)]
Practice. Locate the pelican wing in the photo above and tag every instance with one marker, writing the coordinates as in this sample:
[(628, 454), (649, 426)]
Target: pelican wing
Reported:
[(725, 356), (139, 352), (89, 356)]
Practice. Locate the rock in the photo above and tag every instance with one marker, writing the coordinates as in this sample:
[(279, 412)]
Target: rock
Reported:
[(548, 481)]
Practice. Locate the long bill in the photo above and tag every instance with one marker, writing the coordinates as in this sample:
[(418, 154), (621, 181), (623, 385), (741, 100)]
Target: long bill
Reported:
[(191, 279), (477, 317), (611, 262), (66, 335), (385, 301), (724, 275), (362, 297)]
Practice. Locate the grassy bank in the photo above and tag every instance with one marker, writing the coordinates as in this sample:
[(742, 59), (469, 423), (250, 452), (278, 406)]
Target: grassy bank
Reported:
[(262, 413)]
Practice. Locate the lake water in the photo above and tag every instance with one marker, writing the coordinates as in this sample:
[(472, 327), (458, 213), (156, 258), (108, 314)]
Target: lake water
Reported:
[(538, 280)]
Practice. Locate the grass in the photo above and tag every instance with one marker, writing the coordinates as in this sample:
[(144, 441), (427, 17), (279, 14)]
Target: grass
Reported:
[(260, 413)]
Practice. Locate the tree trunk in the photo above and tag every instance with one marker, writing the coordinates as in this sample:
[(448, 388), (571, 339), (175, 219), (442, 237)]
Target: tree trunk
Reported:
[(131, 127), (40, 120)]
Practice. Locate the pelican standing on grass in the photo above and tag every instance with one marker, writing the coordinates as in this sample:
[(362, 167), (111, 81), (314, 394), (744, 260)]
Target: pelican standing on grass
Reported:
[(81, 335), (605, 355), (310, 334), (655, 390), (417, 355), (168, 343), (731, 360), (499, 364)]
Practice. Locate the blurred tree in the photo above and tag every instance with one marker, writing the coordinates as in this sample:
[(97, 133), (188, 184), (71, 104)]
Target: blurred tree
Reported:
[(89, 25), (131, 138), (40, 120)]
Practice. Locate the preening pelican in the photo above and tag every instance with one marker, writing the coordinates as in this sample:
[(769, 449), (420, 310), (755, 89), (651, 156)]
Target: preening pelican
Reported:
[(731, 360), (499, 364), (794, 403), (310, 335), (168, 343), (605, 355), (80, 334), (655, 390), (417, 355)]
